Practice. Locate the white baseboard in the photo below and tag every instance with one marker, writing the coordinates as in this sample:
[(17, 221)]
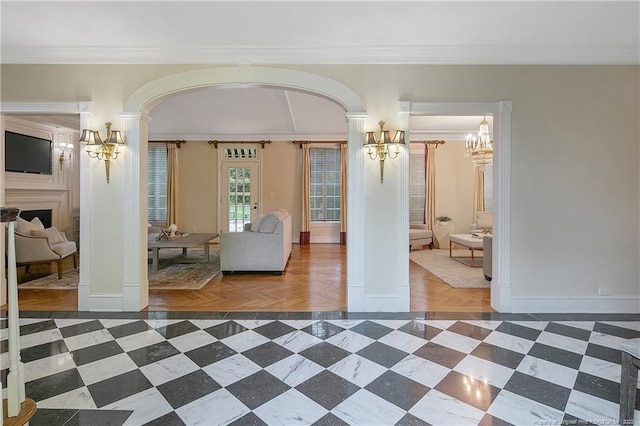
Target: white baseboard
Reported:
[(106, 302), (382, 303), (355, 298), (595, 305)]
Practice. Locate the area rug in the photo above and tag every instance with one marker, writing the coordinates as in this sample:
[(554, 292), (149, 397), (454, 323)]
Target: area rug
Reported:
[(451, 271), (176, 276)]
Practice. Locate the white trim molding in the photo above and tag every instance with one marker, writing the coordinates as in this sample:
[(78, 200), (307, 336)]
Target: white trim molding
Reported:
[(501, 298), (562, 305)]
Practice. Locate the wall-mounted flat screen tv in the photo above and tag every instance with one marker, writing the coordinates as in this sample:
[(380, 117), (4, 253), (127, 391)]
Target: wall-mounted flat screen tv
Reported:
[(27, 154)]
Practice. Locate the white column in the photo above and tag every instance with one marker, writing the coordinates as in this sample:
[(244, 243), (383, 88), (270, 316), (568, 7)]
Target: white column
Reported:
[(355, 213), (501, 282), (84, 284), (135, 286), (3, 281), (404, 295)]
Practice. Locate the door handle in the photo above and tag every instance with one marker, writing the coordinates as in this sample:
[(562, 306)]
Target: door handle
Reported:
[(255, 206)]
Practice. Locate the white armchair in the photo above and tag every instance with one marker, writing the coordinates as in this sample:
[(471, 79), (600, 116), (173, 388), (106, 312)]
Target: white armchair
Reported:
[(482, 220), (420, 235)]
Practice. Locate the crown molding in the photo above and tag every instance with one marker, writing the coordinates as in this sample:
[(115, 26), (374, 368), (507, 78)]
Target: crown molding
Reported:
[(276, 137), (421, 54)]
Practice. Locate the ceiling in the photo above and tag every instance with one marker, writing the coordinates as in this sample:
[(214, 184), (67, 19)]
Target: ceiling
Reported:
[(318, 32)]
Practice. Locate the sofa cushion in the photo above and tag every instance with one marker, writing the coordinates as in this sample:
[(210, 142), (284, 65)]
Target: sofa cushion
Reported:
[(65, 248), (53, 235), (484, 220), (26, 227), (269, 223), (255, 225)]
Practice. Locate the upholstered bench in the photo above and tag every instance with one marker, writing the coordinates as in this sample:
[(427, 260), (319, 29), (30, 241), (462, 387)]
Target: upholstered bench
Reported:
[(629, 379), (419, 235)]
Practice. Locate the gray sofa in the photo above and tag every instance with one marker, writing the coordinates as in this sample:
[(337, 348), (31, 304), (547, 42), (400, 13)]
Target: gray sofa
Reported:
[(263, 246)]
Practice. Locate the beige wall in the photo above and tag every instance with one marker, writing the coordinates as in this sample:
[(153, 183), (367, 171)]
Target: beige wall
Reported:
[(575, 157)]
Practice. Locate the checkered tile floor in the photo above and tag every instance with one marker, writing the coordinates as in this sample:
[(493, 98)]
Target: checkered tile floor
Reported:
[(321, 369)]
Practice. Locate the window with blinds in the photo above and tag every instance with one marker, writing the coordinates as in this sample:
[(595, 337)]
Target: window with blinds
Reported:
[(157, 184), (417, 187), (325, 185), (488, 188)]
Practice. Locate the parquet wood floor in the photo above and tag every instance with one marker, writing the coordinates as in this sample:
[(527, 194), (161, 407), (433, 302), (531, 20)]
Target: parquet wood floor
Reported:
[(315, 280)]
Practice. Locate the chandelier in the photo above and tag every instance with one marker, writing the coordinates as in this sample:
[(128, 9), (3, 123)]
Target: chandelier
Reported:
[(480, 146)]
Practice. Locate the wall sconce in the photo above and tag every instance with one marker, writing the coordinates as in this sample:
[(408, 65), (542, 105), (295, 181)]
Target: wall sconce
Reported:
[(65, 147), (383, 147), (106, 150)]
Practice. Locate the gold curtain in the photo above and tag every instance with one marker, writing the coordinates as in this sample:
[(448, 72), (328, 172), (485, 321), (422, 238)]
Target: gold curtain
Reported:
[(172, 183), (343, 194), (430, 175), (305, 225), (478, 190)]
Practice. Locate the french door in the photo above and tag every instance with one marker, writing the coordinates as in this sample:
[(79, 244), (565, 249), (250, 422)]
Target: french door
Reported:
[(240, 185)]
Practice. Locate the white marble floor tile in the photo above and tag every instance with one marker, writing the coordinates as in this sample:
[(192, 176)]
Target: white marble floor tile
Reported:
[(244, 341), (583, 325), (146, 406), (403, 341), (438, 408), (87, 339), (157, 323), (189, 341), (591, 408), (139, 340), (395, 324), (66, 322), (294, 369), (357, 370), (105, 368), (297, 341), (548, 371), (35, 339), (606, 340), (456, 341), (47, 366), (490, 325), (346, 323), (300, 324), (252, 323), (421, 370), (536, 325), (109, 323), (29, 321), (441, 324), (76, 399), (289, 409), (485, 371), (168, 369), (507, 341), (350, 341), (366, 409), (216, 408), (562, 342), (631, 325), (601, 368), (519, 410), (231, 369), (202, 324)]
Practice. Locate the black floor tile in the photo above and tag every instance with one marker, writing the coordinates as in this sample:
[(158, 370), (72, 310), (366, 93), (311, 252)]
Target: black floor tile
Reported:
[(82, 328), (539, 390), (470, 330), (49, 417), (267, 354), (255, 390), (489, 420), (372, 329), (325, 354), (518, 331), (327, 389), (188, 388), (597, 386), (625, 333), (409, 420), (330, 419), (556, 355), (571, 420), (37, 327), (274, 329), (382, 354), (118, 387), (169, 419), (604, 352), (565, 330), (43, 351), (226, 329), (498, 355), (209, 354), (96, 352), (152, 353), (467, 389), (397, 389), (53, 385), (249, 419), (99, 418), (323, 330), (178, 329), (440, 354), (421, 330), (129, 329)]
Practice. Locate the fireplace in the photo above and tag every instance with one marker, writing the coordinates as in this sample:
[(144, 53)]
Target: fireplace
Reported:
[(43, 215)]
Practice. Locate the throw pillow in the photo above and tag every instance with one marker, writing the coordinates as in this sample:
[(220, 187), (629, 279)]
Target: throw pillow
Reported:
[(53, 235), (255, 225), (26, 227), (268, 224)]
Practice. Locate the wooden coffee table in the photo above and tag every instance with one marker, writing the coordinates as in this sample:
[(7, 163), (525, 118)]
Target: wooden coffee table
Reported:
[(467, 240), (190, 241)]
